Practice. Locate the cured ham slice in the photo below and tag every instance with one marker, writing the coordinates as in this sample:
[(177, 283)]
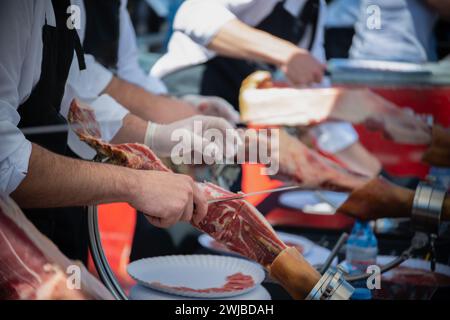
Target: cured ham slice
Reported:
[(236, 224), (263, 104), (31, 267), (234, 282), (313, 170), (240, 227), (438, 154)]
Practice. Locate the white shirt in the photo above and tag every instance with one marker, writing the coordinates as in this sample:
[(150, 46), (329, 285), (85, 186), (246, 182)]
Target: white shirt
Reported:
[(405, 32), (21, 23), (343, 13), (198, 21), (128, 58)]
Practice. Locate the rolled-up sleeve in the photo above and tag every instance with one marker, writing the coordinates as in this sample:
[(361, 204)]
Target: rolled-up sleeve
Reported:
[(16, 19), (15, 150), (109, 114), (202, 19), (128, 67), (88, 85)]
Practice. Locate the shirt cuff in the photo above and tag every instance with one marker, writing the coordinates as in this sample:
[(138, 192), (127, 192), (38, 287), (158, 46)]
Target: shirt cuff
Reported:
[(202, 20), (92, 81), (109, 114), (15, 168)]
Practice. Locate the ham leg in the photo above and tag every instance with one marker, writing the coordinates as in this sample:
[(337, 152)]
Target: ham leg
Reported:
[(31, 267), (438, 154), (262, 104), (377, 199), (382, 199), (236, 224)]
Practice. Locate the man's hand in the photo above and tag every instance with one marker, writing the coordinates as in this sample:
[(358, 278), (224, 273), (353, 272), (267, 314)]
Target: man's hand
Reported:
[(301, 68), (194, 135), (213, 106), (238, 40), (398, 124), (166, 198)]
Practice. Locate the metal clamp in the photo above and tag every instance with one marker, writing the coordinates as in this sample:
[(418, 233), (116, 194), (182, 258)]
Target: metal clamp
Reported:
[(331, 286), (427, 208)]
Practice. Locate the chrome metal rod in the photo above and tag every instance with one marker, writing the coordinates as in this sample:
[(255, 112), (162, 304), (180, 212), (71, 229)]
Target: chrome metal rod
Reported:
[(391, 265), (334, 252), (99, 258)]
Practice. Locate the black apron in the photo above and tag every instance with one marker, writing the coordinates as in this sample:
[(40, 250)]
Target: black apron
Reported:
[(102, 42), (66, 227), (223, 76), (102, 34)]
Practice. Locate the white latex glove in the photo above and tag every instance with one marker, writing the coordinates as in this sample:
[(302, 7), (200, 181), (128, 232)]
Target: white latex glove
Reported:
[(213, 106), (194, 136)]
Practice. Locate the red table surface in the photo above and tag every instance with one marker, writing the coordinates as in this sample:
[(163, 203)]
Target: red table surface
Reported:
[(397, 159)]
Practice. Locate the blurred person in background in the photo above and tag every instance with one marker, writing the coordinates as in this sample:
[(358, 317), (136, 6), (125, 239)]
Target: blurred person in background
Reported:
[(233, 38), (111, 39), (398, 30), (340, 27), (42, 69)]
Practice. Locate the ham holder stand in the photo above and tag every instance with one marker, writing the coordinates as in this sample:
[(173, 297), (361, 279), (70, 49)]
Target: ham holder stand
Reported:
[(333, 285)]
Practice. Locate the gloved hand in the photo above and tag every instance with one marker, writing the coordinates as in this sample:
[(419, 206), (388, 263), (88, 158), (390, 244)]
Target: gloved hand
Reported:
[(212, 138), (213, 106)]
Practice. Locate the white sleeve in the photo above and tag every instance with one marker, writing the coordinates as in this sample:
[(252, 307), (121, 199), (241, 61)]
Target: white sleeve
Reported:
[(318, 48), (128, 65), (15, 150), (92, 81), (202, 19), (87, 85), (109, 114)]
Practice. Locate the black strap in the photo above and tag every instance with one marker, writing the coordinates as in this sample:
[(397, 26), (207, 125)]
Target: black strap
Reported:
[(79, 50), (62, 15), (103, 31), (309, 17)]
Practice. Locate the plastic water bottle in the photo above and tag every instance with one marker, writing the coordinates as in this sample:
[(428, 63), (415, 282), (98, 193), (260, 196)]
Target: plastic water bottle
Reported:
[(362, 248)]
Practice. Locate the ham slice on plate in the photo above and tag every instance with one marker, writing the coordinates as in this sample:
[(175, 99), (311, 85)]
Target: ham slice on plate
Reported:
[(31, 267), (263, 104), (235, 282), (236, 224)]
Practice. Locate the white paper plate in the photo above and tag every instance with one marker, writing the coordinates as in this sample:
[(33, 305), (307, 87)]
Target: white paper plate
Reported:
[(193, 271), (209, 243), (139, 292), (290, 238), (314, 202)]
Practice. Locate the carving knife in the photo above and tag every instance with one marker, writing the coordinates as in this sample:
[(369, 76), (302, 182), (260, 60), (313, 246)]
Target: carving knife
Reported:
[(241, 195)]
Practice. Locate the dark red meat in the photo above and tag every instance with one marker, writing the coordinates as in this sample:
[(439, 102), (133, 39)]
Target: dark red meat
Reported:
[(31, 267), (236, 224)]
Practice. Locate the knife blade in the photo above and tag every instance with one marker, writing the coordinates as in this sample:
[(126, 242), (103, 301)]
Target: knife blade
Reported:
[(241, 195)]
